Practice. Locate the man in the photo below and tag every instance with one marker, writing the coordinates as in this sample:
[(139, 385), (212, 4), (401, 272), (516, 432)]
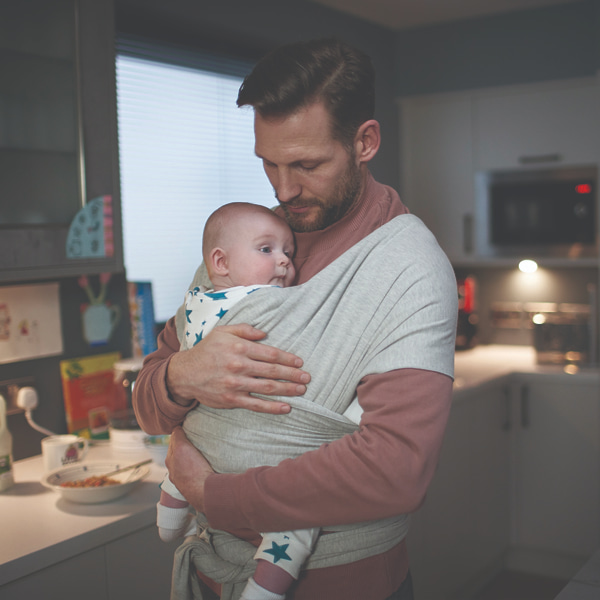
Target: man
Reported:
[(315, 133)]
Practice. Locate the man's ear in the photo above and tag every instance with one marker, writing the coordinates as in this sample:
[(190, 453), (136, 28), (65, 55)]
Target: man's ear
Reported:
[(367, 141), (218, 261)]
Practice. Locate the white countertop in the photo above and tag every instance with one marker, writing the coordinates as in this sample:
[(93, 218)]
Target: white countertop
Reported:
[(485, 363), (44, 529)]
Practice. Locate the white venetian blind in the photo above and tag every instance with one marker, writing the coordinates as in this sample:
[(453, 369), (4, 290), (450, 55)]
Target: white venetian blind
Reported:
[(185, 149)]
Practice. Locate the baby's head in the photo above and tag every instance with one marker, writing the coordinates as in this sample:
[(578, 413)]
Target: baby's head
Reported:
[(248, 244)]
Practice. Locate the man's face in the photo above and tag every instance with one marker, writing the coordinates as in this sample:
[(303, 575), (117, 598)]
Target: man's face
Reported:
[(315, 178)]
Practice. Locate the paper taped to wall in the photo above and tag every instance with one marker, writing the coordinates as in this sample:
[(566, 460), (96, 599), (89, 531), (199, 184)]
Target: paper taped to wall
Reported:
[(30, 325)]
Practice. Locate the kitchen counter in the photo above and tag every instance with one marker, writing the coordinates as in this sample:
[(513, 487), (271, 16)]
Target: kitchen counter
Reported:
[(44, 529), (483, 364)]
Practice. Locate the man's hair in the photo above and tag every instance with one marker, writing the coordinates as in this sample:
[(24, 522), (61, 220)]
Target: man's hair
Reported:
[(297, 75)]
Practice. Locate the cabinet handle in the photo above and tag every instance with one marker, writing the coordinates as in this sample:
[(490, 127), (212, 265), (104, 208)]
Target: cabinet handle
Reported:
[(507, 425), (539, 158), (468, 233), (525, 417)]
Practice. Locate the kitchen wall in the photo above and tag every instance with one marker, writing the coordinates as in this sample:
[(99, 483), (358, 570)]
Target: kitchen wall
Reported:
[(46, 371), (505, 285), (554, 42)]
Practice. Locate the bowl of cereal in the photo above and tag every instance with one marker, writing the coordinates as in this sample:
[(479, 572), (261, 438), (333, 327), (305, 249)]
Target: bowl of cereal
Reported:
[(95, 482), (157, 446)]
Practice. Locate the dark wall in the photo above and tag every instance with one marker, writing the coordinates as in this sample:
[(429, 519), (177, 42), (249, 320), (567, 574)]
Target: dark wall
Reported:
[(555, 42), (46, 371)]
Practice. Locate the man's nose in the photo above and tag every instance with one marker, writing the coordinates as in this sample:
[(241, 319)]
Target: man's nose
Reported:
[(286, 187)]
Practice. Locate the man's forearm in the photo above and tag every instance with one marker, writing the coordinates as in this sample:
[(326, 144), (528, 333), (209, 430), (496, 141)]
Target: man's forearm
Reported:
[(382, 470)]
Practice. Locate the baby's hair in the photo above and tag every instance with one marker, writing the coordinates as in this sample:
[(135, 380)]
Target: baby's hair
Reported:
[(221, 219)]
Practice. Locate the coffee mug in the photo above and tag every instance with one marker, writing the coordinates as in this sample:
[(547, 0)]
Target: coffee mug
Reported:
[(61, 450)]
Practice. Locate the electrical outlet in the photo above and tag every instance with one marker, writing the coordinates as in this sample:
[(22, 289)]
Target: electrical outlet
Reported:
[(9, 389)]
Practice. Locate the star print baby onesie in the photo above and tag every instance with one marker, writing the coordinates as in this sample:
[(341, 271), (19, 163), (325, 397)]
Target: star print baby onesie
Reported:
[(203, 310)]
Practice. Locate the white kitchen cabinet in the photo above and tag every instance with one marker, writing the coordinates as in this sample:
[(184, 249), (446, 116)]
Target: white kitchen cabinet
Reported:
[(449, 142), (436, 166), (556, 474), (80, 577), (458, 539), (544, 125), (139, 565)]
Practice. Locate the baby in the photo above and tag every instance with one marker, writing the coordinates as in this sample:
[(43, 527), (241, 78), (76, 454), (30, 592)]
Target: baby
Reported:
[(244, 247)]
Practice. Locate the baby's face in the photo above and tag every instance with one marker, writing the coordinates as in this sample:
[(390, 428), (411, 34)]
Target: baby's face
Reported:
[(262, 252)]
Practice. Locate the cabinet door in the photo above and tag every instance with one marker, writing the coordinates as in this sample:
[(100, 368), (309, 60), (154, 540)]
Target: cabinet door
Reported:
[(73, 579), (557, 468), (140, 566), (461, 533), (542, 125), (437, 172), (45, 178)]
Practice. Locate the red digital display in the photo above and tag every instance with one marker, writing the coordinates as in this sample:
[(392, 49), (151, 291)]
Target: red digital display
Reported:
[(583, 188)]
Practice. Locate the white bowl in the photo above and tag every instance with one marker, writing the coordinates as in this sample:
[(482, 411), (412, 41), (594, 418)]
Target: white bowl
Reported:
[(157, 446), (94, 495)]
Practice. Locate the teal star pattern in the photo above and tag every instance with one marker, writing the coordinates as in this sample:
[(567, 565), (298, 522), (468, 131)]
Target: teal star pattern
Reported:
[(198, 338), (217, 295), (187, 315), (278, 552), (221, 313)]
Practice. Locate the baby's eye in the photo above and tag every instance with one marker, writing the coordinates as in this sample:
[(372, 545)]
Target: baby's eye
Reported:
[(288, 254), (265, 249)]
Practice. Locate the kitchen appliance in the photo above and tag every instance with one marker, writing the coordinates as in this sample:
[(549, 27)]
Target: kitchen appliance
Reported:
[(563, 336), (466, 326), (538, 213), (125, 432)]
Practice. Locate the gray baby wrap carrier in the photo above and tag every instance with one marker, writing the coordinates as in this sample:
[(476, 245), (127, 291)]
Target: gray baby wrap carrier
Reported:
[(387, 303)]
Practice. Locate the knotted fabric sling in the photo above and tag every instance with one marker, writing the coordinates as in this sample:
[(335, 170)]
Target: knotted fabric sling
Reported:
[(388, 303)]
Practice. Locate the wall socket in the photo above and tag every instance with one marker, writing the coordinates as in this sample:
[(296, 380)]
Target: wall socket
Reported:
[(9, 389)]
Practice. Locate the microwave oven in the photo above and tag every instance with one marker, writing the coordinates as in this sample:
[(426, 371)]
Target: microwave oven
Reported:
[(538, 213)]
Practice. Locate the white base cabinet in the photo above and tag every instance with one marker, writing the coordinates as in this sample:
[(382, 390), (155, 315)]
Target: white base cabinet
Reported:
[(517, 486), (458, 539), (138, 565), (555, 475)]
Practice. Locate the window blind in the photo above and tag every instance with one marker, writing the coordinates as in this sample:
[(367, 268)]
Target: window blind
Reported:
[(185, 149)]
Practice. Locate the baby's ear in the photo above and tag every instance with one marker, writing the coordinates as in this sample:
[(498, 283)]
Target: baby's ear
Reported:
[(218, 261)]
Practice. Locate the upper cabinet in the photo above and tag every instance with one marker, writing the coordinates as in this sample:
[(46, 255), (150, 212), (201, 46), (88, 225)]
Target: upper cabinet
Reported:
[(448, 141), (436, 159), (58, 140), (545, 126)]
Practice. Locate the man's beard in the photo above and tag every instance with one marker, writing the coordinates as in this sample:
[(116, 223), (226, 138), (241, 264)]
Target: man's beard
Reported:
[(331, 209)]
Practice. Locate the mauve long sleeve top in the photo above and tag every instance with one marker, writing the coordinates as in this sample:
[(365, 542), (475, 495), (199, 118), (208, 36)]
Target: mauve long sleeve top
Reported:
[(381, 470)]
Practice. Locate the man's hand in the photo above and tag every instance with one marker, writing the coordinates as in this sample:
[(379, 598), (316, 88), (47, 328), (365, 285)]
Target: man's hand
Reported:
[(228, 365), (188, 469)]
